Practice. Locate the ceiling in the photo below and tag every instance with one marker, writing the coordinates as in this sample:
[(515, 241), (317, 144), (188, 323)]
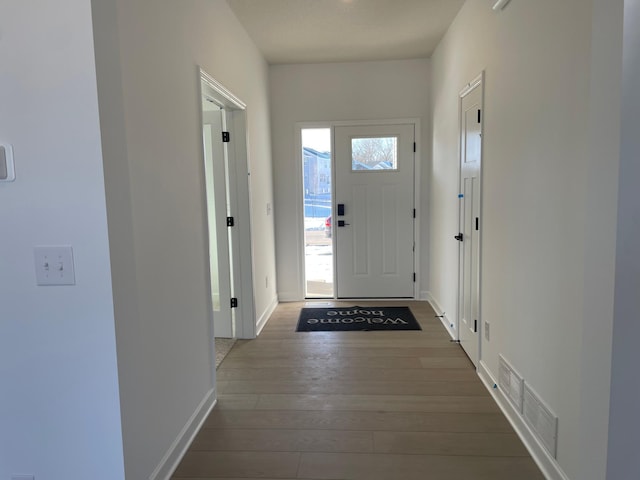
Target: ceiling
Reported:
[(317, 31)]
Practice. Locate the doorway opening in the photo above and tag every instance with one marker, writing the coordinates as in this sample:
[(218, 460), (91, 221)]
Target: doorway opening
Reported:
[(375, 214), (318, 226), (228, 213), (358, 215)]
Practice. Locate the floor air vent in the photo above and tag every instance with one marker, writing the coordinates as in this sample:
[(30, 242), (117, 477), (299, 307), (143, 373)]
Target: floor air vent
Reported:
[(511, 384), (541, 420)]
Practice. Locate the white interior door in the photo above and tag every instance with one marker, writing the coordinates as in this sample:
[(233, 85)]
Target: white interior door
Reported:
[(216, 191), (469, 236), (373, 219)]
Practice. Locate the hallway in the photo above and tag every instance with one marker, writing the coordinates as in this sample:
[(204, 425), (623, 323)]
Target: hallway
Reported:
[(353, 405)]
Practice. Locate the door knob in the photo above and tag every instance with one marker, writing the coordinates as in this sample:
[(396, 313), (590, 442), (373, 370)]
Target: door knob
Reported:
[(458, 237)]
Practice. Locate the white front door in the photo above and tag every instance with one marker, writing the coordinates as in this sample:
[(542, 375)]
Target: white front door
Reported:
[(216, 192), (373, 218), (469, 217)]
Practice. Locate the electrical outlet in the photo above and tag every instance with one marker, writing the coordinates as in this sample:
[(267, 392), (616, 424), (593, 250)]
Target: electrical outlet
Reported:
[(487, 331)]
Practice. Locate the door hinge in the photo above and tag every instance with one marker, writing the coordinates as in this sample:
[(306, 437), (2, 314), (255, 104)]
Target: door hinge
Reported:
[(414, 213), (415, 147), (414, 276), (230, 222), (477, 223), (479, 116), (226, 137), (475, 326)]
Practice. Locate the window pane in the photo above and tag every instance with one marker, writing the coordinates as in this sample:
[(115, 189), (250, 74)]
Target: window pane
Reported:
[(374, 154), (316, 158)]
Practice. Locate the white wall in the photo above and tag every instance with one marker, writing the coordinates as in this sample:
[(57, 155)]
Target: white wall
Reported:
[(148, 52), (59, 414), (549, 200), (624, 432), (336, 92), (602, 163)]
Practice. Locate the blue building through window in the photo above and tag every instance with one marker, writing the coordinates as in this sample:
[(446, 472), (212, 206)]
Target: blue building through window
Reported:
[(317, 183)]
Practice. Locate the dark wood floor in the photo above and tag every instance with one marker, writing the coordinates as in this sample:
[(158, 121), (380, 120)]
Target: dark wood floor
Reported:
[(403, 405)]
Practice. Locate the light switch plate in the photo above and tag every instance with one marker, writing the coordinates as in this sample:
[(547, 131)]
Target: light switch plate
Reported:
[(54, 265), (7, 169)]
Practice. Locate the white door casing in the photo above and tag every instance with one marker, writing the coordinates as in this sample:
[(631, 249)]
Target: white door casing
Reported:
[(232, 114), (375, 247), (469, 322)]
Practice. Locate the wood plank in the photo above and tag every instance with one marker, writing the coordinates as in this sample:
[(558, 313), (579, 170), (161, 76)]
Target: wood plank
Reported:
[(333, 362), (238, 464), (336, 466), (377, 403), (237, 402), (365, 387), (343, 351), (302, 344), (348, 374), (440, 362), (370, 421), (284, 440), (446, 443), (288, 332)]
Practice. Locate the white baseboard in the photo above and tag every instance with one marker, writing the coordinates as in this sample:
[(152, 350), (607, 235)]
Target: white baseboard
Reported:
[(425, 296), (262, 321), (446, 322), (547, 464), (178, 448)]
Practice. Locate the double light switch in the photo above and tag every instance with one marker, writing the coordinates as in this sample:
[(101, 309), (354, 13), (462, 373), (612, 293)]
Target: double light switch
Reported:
[(54, 265)]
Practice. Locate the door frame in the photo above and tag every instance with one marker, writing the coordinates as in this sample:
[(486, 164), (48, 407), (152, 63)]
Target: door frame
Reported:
[(477, 82), (299, 220), (241, 258)]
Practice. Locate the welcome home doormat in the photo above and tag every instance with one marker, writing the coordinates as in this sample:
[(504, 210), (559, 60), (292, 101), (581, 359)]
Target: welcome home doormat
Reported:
[(340, 319)]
